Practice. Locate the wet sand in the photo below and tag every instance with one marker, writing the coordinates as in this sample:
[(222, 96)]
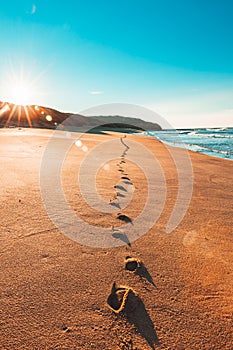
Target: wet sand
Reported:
[(54, 291)]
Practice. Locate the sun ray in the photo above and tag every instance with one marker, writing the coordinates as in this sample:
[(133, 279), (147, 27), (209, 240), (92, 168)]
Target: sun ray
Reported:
[(4, 108), (39, 76), (32, 111), (10, 115), (22, 85), (19, 114), (27, 116)]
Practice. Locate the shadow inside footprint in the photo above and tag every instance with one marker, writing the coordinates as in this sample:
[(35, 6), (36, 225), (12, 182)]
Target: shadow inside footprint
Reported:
[(127, 182), (120, 195), (121, 188), (114, 204), (122, 299), (131, 264), (125, 178), (125, 218)]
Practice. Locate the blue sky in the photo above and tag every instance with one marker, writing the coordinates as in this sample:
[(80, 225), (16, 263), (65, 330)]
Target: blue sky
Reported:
[(175, 57)]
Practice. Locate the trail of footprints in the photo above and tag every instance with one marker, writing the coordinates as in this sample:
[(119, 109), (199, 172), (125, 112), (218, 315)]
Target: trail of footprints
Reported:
[(124, 188)]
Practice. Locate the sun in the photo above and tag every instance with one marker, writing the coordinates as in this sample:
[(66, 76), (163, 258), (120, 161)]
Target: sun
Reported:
[(21, 89), (22, 85), (20, 94)]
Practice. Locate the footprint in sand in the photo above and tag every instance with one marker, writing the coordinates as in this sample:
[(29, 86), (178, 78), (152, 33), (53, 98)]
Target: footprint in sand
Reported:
[(118, 194), (137, 266), (121, 188), (125, 218), (125, 178), (122, 299), (115, 204), (131, 264)]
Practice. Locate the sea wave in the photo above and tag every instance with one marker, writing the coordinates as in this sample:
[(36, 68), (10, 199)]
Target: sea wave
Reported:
[(216, 142), (213, 135)]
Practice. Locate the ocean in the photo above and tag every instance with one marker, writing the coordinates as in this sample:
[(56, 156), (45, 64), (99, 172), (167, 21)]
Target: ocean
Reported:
[(216, 142)]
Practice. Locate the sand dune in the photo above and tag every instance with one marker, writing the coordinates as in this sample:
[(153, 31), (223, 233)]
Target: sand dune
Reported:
[(54, 290)]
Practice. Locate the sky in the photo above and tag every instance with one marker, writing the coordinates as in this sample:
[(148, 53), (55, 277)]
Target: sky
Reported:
[(173, 57)]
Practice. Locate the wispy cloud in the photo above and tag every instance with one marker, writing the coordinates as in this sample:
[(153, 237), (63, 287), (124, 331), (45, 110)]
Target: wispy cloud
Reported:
[(96, 92), (33, 10)]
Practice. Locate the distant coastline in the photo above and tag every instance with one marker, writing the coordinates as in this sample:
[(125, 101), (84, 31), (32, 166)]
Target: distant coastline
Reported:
[(47, 118)]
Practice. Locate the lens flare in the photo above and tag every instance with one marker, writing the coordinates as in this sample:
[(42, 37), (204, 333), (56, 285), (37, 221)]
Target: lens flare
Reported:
[(49, 118)]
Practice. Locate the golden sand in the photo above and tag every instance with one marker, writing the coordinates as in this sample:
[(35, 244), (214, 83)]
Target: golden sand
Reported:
[(54, 290)]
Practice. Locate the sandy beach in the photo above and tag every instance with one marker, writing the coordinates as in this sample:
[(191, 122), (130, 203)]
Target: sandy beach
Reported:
[(54, 290)]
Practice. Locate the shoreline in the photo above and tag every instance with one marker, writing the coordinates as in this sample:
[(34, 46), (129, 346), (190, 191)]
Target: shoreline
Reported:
[(5, 130), (192, 146)]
